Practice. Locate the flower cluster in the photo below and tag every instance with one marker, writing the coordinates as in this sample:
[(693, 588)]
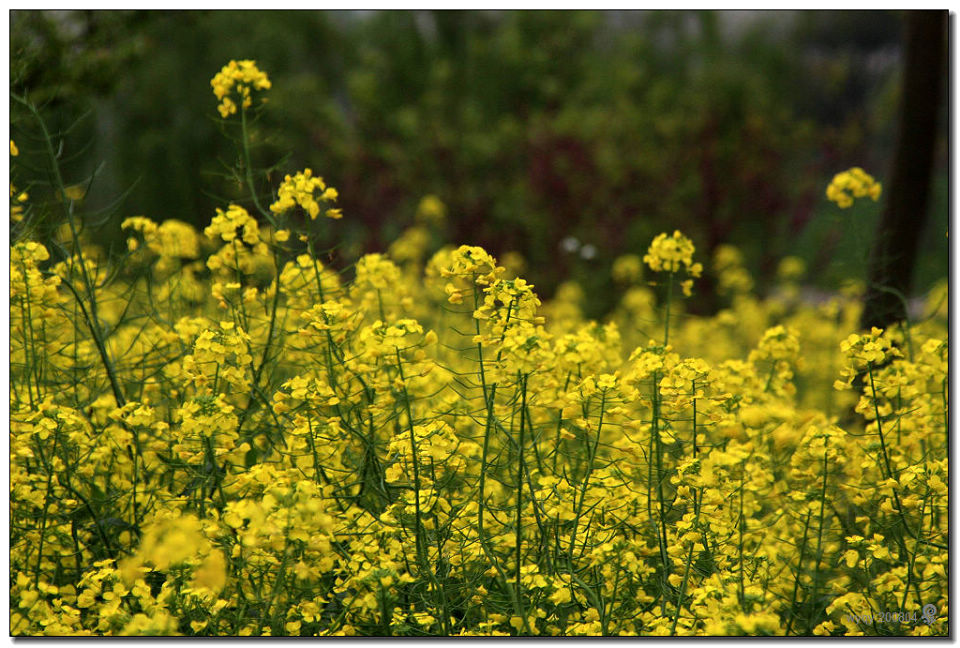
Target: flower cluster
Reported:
[(172, 238), (851, 184), (673, 253), (236, 81), (232, 224), (670, 253), (302, 189)]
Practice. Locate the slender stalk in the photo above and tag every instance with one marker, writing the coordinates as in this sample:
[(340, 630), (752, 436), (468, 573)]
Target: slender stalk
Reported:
[(741, 525), (489, 400), (91, 317), (556, 446), (248, 167), (46, 505), (818, 554), (886, 463), (520, 468), (683, 585), (421, 558), (913, 558), (666, 319), (696, 521), (796, 580), (29, 349), (591, 455), (655, 464), (266, 346)]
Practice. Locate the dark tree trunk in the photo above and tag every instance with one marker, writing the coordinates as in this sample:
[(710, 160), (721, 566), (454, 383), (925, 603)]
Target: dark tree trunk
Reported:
[(895, 249)]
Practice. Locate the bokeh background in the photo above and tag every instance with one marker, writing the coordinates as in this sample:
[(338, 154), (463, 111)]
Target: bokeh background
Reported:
[(570, 138)]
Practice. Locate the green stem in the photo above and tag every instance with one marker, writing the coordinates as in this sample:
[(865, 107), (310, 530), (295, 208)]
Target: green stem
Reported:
[(696, 520), (248, 168), (796, 581), (686, 574), (818, 555), (266, 347), (886, 461), (520, 467), (657, 456), (421, 558), (46, 505), (591, 455), (666, 319), (92, 319)]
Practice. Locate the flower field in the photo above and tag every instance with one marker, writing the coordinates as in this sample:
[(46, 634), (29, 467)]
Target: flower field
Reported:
[(220, 432)]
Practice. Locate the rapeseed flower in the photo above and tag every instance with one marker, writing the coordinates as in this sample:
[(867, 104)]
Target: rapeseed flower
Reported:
[(302, 189), (245, 439), (851, 184), (237, 80)]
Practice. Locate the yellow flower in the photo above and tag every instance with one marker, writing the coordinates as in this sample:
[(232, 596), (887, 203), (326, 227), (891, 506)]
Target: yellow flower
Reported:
[(560, 596), (240, 78), (671, 253), (431, 210), (227, 223), (851, 184), (627, 268), (300, 189), (16, 210)]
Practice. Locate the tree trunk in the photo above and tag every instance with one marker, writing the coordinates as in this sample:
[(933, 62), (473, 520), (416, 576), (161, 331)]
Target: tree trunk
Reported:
[(895, 249)]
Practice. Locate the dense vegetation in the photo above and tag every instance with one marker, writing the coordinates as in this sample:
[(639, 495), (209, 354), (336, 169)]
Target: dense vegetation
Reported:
[(221, 432)]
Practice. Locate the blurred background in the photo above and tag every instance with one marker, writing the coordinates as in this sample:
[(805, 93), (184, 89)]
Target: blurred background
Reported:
[(570, 138)]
